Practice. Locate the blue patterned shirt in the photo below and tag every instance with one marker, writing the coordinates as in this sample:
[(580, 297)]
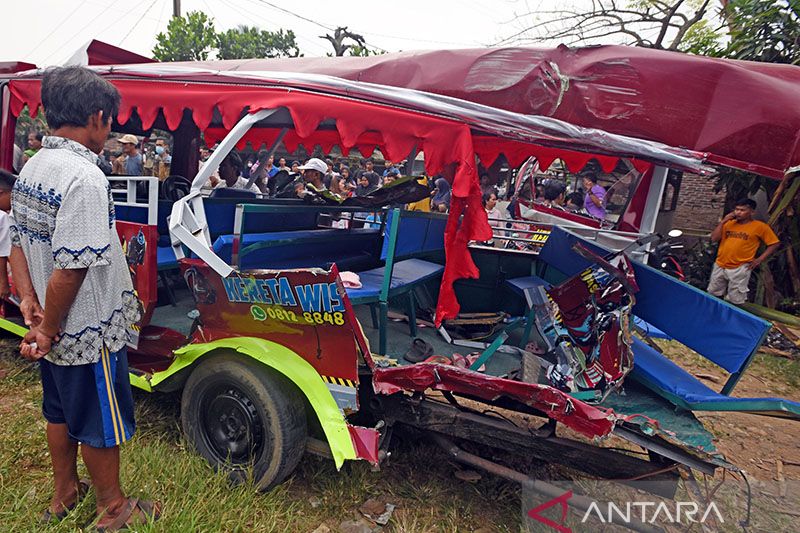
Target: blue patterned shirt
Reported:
[(64, 218)]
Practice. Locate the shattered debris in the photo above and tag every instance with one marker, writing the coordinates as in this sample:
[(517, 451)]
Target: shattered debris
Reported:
[(377, 511)]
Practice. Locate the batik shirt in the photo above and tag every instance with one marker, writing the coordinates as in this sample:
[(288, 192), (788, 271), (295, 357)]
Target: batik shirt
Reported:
[(64, 218)]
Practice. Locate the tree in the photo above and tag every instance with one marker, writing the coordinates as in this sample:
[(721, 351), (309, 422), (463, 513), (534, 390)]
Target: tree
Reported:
[(365, 51), (659, 24), (763, 30), (246, 42), (338, 38), (768, 31), (189, 38)]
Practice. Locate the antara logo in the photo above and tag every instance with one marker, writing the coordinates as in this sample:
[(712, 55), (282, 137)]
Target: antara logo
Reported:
[(641, 511), (560, 500)]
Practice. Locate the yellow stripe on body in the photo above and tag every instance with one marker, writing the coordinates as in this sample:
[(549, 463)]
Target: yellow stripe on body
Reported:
[(106, 372), (116, 403), (339, 381)]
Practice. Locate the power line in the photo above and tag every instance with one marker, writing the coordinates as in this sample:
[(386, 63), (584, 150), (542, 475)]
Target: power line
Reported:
[(56, 27), (301, 17), (160, 17), (415, 39), (138, 21), (82, 28), (299, 36)]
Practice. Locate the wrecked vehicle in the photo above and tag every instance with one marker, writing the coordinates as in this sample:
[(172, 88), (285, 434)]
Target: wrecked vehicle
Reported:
[(276, 355)]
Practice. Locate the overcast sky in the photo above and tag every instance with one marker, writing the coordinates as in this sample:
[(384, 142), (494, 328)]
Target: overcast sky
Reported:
[(48, 32)]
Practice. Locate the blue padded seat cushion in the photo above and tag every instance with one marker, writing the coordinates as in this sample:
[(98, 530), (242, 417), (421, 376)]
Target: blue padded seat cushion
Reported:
[(665, 378), (343, 262), (294, 245), (165, 258), (527, 282), (720, 332), (406, 274)]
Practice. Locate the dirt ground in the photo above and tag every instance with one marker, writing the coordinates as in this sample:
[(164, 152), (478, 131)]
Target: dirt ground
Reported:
[(752, 442)]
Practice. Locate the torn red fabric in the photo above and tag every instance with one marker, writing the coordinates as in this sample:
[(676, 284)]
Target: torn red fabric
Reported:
[(446, 143), (473, 226)]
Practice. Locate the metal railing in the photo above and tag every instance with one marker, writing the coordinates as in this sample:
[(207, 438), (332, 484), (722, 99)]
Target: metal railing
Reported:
[(127, 196), (539, 228)]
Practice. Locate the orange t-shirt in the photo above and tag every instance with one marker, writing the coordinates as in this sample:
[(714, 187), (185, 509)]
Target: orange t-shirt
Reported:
[(740, 242)]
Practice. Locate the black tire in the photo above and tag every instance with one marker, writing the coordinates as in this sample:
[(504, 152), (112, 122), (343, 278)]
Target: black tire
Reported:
[(240, 414)]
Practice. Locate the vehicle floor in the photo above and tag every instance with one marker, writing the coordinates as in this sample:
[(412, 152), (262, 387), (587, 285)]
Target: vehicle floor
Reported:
[(175, 316), (633, 399), (398, 343)]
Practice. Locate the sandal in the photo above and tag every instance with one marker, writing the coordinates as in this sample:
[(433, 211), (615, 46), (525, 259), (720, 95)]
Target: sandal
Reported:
[(419, 351), (49, 517), (135, 512), (439, 359)]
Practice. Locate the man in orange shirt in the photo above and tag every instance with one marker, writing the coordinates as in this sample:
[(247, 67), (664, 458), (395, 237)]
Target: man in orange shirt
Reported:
[(739, 238)]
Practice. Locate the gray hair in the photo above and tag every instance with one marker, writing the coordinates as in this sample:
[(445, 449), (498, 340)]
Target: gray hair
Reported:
[(70, 95)]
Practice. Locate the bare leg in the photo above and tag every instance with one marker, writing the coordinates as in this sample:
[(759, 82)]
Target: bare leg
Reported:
[(63, 455), (103, 466)]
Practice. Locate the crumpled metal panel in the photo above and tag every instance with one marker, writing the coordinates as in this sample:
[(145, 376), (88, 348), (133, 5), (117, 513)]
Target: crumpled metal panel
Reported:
[(588, 420)]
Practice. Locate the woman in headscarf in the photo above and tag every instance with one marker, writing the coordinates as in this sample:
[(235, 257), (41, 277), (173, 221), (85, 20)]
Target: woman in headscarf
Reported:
[(368, 183), (441, 196)]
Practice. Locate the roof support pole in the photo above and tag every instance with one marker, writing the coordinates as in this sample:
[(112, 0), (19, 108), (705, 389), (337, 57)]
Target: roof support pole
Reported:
[(653, 202)]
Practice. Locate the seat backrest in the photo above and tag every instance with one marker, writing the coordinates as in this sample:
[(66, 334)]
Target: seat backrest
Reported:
[(131, 213), (227, 192), (221, 212), (418, 233), (722, 333)]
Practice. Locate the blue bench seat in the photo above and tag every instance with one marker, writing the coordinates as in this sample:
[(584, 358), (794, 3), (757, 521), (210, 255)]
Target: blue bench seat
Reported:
[(165, 258), (520, 285), (404, 275), (659, 374), (302, 248)]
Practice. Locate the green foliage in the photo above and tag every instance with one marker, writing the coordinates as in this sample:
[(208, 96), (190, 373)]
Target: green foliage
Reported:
[(189, 38), (764, 30), (193, 38), (702, 40), (27, 124), (364, 51), (247, 42)]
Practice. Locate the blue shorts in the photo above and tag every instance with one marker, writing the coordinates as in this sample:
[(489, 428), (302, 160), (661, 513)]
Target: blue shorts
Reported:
[(93, 400)]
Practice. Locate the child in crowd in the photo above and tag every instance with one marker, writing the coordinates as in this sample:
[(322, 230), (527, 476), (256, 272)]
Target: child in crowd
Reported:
[(490, 205), (7, 181)]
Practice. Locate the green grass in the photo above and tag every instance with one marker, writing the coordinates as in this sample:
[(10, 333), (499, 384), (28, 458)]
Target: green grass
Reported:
[(157, 463)]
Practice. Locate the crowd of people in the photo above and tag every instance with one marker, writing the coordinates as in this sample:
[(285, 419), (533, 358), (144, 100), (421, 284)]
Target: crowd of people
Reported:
[(343, 177)]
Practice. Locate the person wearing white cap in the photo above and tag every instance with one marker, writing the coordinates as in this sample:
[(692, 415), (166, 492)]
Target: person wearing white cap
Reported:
[(313, 172), (133, 159)]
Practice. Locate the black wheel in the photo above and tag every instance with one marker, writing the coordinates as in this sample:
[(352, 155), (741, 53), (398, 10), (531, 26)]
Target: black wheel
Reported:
[(240, 415)]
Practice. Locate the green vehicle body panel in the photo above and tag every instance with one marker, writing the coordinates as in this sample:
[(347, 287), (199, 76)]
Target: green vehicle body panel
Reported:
[(271, 354)]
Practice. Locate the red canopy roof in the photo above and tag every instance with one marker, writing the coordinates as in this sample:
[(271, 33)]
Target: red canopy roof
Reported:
[(99, 53), (745, 114), (10, 67)]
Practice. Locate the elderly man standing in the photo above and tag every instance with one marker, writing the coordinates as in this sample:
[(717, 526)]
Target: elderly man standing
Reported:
[(64, 225)]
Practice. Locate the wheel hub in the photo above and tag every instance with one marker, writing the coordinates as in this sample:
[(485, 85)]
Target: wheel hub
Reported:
[(232, 427)]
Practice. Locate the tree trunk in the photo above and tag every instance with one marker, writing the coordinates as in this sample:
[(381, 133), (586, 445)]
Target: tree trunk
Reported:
[(794, 272), (770, 297)]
